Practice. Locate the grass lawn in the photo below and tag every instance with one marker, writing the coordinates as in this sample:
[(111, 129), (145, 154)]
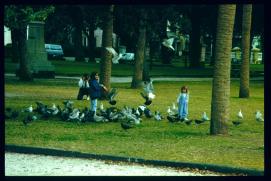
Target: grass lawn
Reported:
[(242, 147)]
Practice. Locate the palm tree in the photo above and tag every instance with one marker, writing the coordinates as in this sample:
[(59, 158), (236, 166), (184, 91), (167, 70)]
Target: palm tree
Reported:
[(105, 68), (221, 82), (244, 71), (140, 51)]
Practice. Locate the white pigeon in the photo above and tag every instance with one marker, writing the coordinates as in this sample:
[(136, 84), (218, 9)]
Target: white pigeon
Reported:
[(205, 117), (240, 115), (258, 116), (74, 115), (29, 109), (101, 106), (168, 43)]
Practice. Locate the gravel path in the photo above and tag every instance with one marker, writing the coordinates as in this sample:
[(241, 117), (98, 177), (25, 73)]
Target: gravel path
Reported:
[(17, 164)]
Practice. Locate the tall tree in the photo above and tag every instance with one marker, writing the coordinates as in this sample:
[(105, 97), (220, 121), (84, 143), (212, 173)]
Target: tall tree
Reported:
[(106, 60), (140, 51), (16, 17), (220, 105), (244, 71)]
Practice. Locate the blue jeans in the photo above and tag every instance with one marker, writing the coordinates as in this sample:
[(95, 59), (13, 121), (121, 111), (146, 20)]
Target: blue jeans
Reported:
[(93, 105)]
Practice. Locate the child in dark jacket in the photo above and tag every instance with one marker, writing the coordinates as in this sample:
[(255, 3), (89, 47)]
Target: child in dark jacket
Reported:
[(95, 91)]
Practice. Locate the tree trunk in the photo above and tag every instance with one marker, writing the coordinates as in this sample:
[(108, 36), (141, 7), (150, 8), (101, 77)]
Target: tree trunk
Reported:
[(91, 46), (140, 53), (79, 53), (244, 71), (220, 105), (15, 47), (106, 59), (195, 46), (24, 72)]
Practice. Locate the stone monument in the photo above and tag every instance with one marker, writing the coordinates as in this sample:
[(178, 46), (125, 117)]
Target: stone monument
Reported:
[(36, 53)]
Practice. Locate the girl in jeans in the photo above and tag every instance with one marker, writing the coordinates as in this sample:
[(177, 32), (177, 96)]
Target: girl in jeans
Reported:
[(182, 101), (95, 91)]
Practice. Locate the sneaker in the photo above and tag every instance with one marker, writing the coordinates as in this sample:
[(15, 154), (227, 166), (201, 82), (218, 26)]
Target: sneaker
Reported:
[(87, 98), (185, 119)]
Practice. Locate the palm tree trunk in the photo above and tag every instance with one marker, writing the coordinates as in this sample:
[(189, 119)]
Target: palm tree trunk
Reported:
[(244, 71), (105, 67), (140, 52), (220, 105)]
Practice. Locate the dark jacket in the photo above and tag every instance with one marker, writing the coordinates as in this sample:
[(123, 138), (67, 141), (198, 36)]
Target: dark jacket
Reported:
[(94, 89)]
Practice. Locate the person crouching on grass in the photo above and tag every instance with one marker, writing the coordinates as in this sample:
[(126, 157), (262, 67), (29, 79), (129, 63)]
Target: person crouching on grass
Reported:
[(182, 101), (83, 87), (95, 91)]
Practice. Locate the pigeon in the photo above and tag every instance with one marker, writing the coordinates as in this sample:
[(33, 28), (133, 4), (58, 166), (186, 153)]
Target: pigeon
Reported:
[(172, 112), (29, 109), (126, 125), (8, 112), (116, 56), (147, 100), (29, 118), (111, 95), (188, 122), (157, 116), (174, 108), (53, 110), (14, 114), (205, 117), (74, 115), (258, 116), (240, 115), (168, 43), (236, 123), (199, 121), (148, 94), (172, 118), (148, 113)]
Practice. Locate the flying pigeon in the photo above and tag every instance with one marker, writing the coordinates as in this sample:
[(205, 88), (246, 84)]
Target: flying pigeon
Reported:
[(116, 56), (148, 94), (111, 95), (240, 115), (205, 117), (258, 116), (168, 43)]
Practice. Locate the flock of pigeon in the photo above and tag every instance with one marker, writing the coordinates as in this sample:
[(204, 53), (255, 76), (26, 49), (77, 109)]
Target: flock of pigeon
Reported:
[(128, 117)]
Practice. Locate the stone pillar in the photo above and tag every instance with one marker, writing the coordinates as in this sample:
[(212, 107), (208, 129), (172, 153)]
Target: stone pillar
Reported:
[(36, 53)]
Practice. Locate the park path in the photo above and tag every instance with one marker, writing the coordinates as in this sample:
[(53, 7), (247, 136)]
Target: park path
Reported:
[(129, 78), (17, 164)]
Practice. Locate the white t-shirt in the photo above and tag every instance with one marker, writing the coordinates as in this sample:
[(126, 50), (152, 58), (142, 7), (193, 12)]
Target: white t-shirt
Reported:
[(83, 84)]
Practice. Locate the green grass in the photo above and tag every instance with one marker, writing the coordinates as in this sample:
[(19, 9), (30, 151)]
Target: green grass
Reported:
[(242, 147), (176, 69)]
